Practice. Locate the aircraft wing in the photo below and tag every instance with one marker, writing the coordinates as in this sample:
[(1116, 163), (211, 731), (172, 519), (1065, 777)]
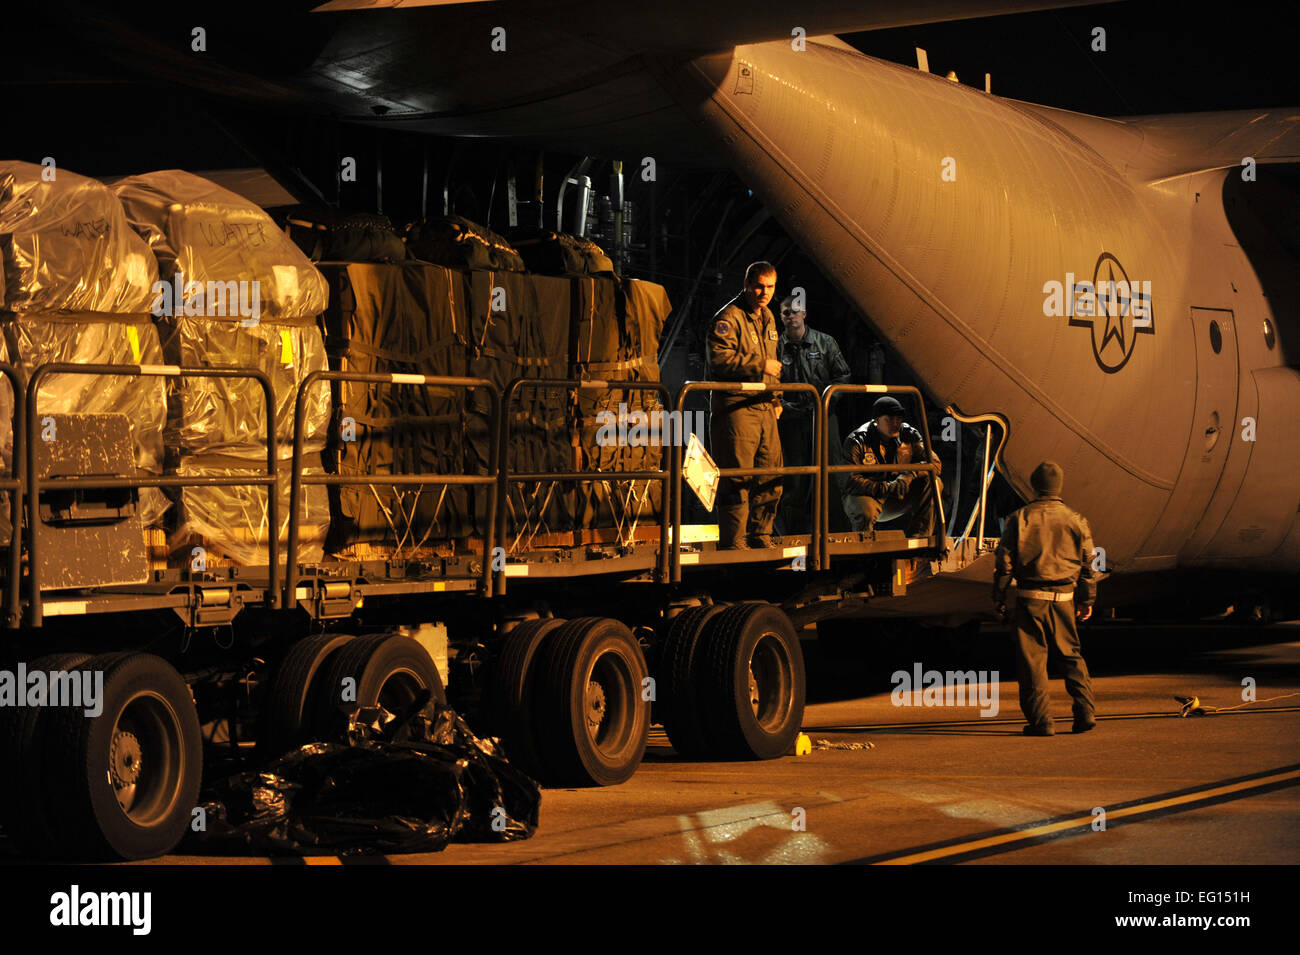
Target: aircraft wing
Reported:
[(689, 25), (566, 75), (1159, 148)]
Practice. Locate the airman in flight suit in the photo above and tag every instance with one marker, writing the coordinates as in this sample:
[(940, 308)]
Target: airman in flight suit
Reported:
[(1047, 548), (888, 439), (742, 346), (814, 357)]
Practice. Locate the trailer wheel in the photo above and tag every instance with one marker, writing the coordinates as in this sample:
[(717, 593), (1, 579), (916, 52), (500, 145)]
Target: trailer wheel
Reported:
[(593, 724), (124, 783), (24, 801), (678, 702), (385, 669), (751, 682), (514, 692), (288, 708)]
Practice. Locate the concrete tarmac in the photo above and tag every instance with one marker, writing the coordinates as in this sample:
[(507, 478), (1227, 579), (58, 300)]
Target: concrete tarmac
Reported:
[(945, 784), (957, 782)]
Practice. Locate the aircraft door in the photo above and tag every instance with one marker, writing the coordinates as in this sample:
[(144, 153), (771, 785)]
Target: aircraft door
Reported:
[(1214, 422)]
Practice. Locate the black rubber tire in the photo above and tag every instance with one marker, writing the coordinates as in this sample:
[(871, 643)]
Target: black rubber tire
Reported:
[(677, 692), (24, 798), (514, 692), (732, 644), (290, 703), (388, 668), (144, 699), (603, 652)]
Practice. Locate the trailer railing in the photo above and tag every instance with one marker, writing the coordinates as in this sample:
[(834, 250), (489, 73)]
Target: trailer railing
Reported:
[(12, 487), (24, 486), (818, 538), (929, 469), (491, 480), (35, 484), (662, 476)]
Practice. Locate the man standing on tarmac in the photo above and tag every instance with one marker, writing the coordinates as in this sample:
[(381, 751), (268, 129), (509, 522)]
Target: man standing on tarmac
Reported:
[(741, 346), (1047, 548), (807, 355), (888, 439)]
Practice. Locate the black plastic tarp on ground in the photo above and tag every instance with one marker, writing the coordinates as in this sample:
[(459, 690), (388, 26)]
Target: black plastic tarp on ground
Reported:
[(397, 785)]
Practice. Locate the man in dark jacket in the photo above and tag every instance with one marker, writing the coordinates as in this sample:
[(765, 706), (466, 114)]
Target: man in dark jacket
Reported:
[(1047, 548), (814, 357), (887, 439), (741, 346)]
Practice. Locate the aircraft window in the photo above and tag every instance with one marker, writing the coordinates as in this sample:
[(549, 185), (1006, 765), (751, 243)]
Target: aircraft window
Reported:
[(1216, 337), (1269, 338)]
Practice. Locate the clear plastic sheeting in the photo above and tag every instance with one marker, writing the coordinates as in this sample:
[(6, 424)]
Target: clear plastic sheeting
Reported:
[(228, 415), (67, 246), (211, 237), (231, 523), (32, 340), (398, 785)]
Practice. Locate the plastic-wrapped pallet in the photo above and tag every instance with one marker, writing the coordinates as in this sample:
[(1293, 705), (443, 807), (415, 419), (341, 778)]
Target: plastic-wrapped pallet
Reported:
[(65, 246), (76, 286), (228, 415), (615, 337), (237, 291), (407, 318), (232, 522)]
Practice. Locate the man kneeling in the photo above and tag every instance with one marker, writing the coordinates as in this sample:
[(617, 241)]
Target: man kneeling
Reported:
[(887, 439)]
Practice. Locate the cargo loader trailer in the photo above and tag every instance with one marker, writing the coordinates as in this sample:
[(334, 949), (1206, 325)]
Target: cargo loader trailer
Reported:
[(567, 652)]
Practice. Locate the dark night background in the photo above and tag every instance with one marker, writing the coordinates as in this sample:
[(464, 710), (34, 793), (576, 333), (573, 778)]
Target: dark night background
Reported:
[(1160, 57)]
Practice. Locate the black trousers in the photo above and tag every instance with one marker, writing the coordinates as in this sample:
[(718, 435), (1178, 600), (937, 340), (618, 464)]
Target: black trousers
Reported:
[(1046, 632)]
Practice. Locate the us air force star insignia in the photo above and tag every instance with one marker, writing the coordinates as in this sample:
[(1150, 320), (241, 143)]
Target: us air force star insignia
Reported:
[(722, 328), (1116, 309)]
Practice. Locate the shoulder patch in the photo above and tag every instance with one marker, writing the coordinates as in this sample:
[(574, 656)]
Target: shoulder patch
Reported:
[(771, 333), (722, 328)]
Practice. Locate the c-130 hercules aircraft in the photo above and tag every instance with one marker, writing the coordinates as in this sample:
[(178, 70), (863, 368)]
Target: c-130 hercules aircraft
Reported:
[(964, 226), (969, 228)]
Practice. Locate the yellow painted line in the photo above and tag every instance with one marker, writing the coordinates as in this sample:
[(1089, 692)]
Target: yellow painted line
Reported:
[(940, 724), (1085, 819), (322, 860)]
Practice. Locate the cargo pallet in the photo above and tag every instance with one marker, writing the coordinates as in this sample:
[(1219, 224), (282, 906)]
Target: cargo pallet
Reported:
[(568, 653)]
